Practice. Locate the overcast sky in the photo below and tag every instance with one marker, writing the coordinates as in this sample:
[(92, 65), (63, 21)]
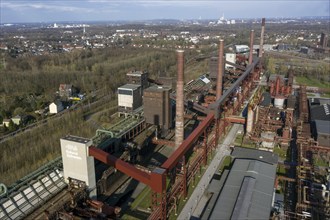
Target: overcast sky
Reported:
[(106, 10)]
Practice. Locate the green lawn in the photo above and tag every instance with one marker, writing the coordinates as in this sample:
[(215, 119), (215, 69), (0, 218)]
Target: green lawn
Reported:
[(309, 81), (143, 200), (325, 95), (281, 170), (225, 163), (310, 94), (318, 161), (239, 139), (280, 151)]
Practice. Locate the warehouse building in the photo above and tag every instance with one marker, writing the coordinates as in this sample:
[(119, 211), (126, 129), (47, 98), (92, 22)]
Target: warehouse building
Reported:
[(320, 121), (246, 191), (322, 132)]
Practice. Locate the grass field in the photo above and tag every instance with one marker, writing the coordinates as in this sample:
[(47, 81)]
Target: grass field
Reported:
[(225, 163), (310, 81), (240, 141), (280, 151)]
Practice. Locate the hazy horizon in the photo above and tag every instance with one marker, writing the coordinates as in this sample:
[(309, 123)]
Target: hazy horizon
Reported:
[(24, 11)]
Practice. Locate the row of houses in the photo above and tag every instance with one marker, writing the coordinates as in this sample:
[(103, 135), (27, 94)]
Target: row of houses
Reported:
[(17, 120), (66, 91)]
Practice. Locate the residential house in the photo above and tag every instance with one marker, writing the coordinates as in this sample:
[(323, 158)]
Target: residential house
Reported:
[(67, 90), (17, 120), (6, 122), (55, 107)]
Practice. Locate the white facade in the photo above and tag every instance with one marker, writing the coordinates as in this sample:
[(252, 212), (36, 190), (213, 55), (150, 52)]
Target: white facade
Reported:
[(242, 48), (77, 164), (129, 97), (231, 57), (55, 107)]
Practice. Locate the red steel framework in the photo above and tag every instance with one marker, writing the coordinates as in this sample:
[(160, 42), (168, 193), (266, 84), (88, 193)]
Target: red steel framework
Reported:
[(162, 200), (204, 139)]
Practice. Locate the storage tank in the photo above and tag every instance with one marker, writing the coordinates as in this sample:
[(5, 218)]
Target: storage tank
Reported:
[(269, 136), (279, 102)]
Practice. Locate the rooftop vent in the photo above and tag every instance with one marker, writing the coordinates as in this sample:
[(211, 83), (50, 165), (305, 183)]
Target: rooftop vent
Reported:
[(326, 109)]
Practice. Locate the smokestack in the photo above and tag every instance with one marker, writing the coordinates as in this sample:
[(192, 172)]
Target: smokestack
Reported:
[(251, 46), (220, 70), (262, 37), (179, 119)]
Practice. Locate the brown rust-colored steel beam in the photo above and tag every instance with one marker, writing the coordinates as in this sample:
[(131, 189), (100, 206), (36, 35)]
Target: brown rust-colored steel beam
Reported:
[(186, 144), (236, 119), (163, 142), (185, 185), (195, 117), (205, 151), (320, 148), (156, 179), (120, 165)]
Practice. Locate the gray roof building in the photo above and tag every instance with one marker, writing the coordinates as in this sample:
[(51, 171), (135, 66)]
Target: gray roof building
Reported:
[(321, 132), (254, 154), (322, 127), (266, 99), (320, 112), (246, 192)]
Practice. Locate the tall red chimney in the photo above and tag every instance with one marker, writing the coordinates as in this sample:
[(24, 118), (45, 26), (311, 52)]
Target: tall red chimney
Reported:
[(262, 37), (220, 70), (179, 119), (251, 46)]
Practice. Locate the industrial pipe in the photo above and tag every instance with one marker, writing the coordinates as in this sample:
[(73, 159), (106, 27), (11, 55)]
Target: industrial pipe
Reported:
[(220, 70), (215, 107), (179, 118), (3, 189)]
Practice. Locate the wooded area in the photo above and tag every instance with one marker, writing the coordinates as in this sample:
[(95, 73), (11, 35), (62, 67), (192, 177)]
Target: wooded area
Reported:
[(30, 83), (90, 70)]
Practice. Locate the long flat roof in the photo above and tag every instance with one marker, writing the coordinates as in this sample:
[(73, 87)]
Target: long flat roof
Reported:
[(157, 88), (76, 139), (129, 87), (320, 112), (135, 73), (322, 127), (247, 192), (248, 153)]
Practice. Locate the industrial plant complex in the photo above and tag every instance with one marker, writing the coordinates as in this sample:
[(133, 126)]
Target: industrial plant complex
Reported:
[(214, 147)]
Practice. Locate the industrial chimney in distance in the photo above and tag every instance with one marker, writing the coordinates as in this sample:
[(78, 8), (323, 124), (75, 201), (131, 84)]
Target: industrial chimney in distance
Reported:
[(220, 70), (179, 118)]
